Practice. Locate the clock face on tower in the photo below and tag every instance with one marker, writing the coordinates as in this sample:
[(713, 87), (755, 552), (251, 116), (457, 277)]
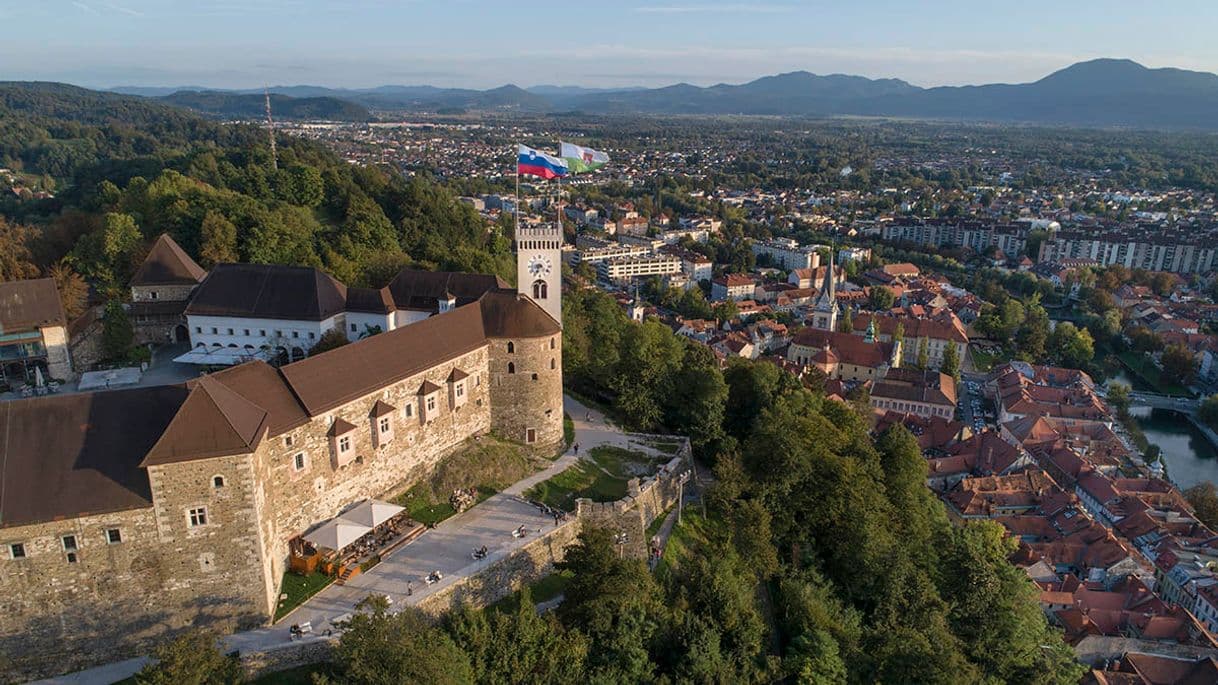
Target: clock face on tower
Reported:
[(539, 266)]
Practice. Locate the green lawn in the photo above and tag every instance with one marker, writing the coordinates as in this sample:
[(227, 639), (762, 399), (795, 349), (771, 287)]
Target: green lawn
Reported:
[(692, 533), (1141, 366), (424, 507), (984, 361), (486, 463), (665, 446), (568, 430), (298, 588), (601, 478), (542, 590)]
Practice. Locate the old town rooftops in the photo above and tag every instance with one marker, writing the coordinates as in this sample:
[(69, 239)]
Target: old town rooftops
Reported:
[(168, 264), (80, 454)]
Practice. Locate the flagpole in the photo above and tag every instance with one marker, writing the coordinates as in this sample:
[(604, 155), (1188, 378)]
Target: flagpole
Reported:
[(516, 202)]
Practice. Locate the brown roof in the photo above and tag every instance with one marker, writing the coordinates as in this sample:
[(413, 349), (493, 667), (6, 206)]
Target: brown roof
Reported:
[(369, 300), (457, 375), (269, 291), (508, 315), (213, 422), (263, 385), (79, 454), (340, 427), (851, 349), (916, 386), (413, 289), (381, 408), (25, 305), (168, 264), (428, 388), (343, 374)]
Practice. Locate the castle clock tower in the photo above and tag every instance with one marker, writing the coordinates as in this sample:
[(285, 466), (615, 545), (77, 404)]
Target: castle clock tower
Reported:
[(539, 266)]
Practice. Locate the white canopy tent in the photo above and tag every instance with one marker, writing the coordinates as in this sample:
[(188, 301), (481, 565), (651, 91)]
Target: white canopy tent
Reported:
[(371, 512), (337, 533), (222, 356)]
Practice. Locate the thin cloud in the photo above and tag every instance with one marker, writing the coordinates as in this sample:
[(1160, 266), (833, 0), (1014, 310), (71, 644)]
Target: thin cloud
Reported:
[(84, 8), (123, 10), (713, 9)]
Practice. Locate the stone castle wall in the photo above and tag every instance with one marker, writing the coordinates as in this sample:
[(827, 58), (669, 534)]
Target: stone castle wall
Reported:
[(644, 502), (302, 499), (118, 599), (501, 578), (164, 293), (526, 389)]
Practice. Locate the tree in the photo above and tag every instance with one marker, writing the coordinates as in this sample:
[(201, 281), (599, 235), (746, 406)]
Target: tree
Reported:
[(1208, 412), (219, 240), (16, 260), (192, 657), (845, 324), (1071, 346), (117, 333), (380, 648), (923, 353), (1179, 365), (951, 361), (518, 646), (725, 310), (880, 298), (1204, 499), (73, 291), (329, 340), (1118, 397)]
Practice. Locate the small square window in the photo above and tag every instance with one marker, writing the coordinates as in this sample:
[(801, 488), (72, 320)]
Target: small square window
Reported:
[(69, 543), (16, 550), (197, 517), (295, 334), (460, 390), (298, 461), (287, 441), (246, 331), (230, 331), (312, 335), (352, 328), (262, 332), (344, 444), (214, 330), (72, 557), (152, 294), (431, 404), (198, 329), (408, 411), (114, 536), (385, 424)]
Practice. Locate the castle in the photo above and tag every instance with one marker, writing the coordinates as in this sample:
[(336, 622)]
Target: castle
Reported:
[(129, 513)]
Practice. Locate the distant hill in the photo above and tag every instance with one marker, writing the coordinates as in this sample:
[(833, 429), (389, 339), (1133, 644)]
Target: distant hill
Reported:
[(93, 107), (248, 106), (1102, 92)]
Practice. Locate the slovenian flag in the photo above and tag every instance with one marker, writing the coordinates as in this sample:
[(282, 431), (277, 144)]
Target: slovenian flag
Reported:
[(580, 159), (532, 162)]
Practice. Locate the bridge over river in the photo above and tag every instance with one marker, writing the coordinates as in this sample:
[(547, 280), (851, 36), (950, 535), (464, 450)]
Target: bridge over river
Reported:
[(1184, 405)]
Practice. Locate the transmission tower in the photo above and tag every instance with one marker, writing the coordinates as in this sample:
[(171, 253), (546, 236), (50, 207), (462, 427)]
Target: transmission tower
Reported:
[(270, 129)]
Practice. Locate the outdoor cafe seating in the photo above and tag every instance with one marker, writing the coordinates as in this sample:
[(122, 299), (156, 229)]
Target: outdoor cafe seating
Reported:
[(363, 533)]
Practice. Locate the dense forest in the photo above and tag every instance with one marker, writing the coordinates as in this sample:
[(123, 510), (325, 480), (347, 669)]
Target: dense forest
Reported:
[(126, 169)]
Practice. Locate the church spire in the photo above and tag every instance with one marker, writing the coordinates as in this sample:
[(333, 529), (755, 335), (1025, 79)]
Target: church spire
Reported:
[(825, 312)]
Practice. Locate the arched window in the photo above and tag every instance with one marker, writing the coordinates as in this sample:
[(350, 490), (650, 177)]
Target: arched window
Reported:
[(511, 366), (552, 364), (511, 347), (551, 343), (540, 290), (217, 481)]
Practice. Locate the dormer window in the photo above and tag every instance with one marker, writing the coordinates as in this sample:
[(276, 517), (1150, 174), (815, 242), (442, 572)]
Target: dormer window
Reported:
[(342, 445), (456, 388), (428, 405), (382, 423)]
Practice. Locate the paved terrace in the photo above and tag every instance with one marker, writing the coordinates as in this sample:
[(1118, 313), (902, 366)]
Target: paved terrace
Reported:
[(448, 548)]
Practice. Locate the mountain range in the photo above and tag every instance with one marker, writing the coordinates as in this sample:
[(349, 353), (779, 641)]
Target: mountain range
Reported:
[(1102, 92)]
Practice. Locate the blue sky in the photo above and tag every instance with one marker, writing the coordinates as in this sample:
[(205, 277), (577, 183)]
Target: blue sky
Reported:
[(484, 43)]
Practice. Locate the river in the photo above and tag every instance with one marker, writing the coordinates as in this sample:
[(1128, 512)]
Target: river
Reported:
[(1190, 458)]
